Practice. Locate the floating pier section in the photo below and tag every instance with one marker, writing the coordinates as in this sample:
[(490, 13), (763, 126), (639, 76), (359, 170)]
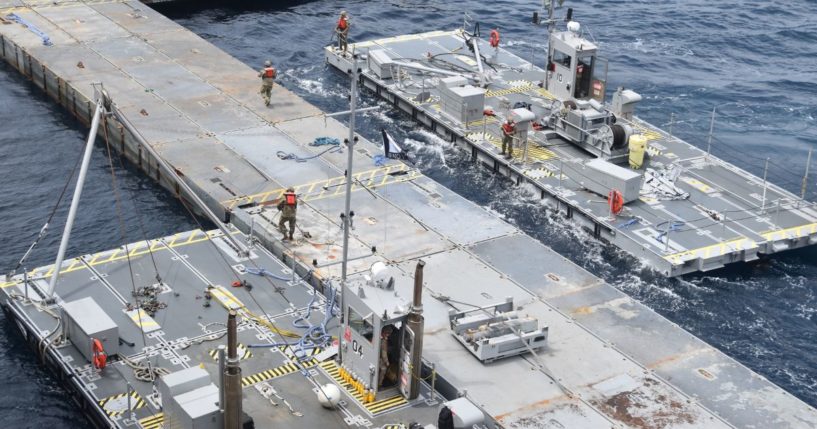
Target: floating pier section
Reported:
[(610, 361)]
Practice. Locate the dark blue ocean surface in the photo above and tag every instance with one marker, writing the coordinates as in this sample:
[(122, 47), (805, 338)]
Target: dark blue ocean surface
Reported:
[(756, 61)]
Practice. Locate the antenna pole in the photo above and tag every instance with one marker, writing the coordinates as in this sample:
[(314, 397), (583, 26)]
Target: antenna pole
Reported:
[(763, 200), (805, 176), (711, 129), (72, 211), (350, 144)]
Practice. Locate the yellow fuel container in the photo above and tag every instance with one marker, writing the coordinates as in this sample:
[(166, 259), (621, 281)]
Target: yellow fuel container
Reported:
[(637, 146)]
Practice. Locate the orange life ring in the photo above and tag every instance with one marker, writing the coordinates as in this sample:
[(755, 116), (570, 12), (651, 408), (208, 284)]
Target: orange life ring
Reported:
[(100, 358), (494, 38), (616, 201)]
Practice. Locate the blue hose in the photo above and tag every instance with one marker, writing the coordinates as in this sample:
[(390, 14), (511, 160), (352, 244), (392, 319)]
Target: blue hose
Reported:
[(315, 336), (19, 19), (333, 143), (673, 226), (264, 273)]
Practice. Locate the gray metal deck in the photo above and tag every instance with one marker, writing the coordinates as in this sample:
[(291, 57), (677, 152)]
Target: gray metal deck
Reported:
[(700, 244), (618, 363)]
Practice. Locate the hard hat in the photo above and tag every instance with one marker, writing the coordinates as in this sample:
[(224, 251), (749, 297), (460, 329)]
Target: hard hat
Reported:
[(290, 189), (267, 63)]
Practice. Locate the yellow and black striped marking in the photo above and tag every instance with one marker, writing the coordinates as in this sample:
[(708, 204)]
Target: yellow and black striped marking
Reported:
[(152, 422), (653, 151), (287, 368), (242, 350), (291, 354), (535, 152), (508, 91), (118, 404), (478, 123), (648, 133), (376, 407), (397, 426)]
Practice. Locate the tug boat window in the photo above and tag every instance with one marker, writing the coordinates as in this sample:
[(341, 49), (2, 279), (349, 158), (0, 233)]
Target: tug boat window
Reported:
[(361, 325), (561, 58), (584, 75)]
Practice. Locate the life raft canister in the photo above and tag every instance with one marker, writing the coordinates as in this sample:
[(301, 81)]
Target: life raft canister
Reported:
[(616, 201), (290, 199), (100, 358), (494, 38), (269, 72)]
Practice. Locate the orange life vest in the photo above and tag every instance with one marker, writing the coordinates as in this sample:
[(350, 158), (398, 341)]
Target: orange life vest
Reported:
[(269, 72), (508, 128), (100, 358), (342, 24), (494, 38), (290, 199)]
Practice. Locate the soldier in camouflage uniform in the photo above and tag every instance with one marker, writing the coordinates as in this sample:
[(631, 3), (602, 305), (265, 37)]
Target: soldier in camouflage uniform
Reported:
[(267, 75), (288, 206)]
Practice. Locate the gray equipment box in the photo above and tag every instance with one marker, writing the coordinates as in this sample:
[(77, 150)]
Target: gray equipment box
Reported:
[(190, 400), (380, 64), (84, 320), (601, 177), (464, 104), (452, 82), (197, 409), (183, 381)]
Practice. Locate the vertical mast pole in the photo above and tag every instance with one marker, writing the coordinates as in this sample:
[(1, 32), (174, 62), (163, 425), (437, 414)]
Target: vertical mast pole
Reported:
[(350, 144), (805, 176), (763, 199), (711, 129)]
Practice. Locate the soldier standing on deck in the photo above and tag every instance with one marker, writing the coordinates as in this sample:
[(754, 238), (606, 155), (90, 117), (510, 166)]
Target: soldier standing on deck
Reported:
[(267, 75), (508, 135), (288, 206), (342, 30)]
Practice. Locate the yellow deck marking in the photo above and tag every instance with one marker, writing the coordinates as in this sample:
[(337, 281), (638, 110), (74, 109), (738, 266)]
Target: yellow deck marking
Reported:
[(697, 184), (226, 298), (376, 407), (243, 353), (330, 187), (535, 153), (789, 233), (118, 404), (287, 368), (478, 122), (544, 93), (134, 251), (713, 250), (508, 91), (653, 151), (648, 133), (143, 320), (152, 422)]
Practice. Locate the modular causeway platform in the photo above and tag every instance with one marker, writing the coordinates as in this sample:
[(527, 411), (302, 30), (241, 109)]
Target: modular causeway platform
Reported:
[(609, 361), (726, 217)]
